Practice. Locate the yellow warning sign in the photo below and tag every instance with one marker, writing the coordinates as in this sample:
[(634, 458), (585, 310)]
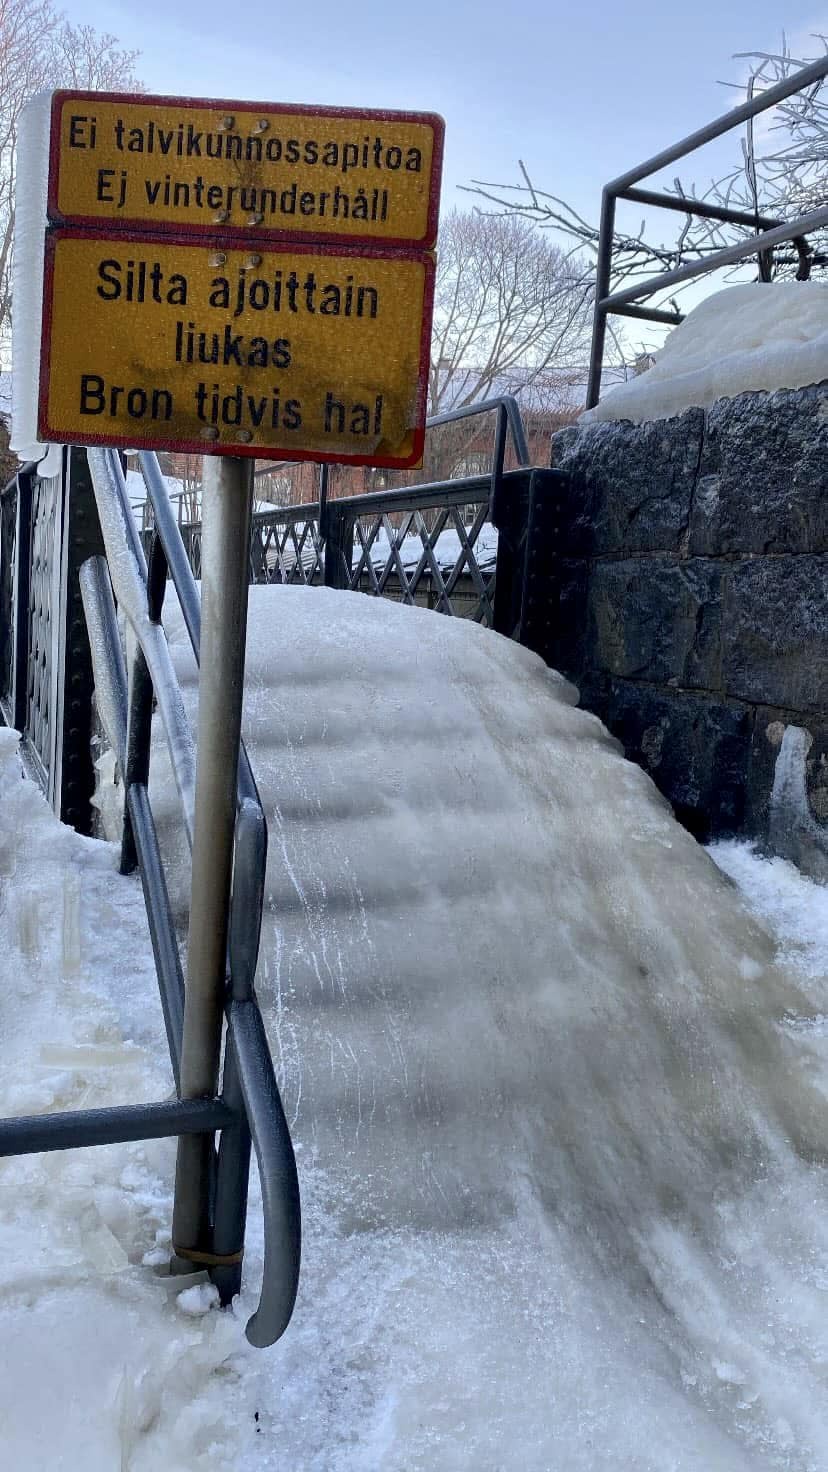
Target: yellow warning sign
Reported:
[(195, 166), (290, 350)]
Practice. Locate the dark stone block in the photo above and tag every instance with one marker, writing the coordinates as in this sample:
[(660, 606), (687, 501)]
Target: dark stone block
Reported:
[(564, 647), (775, 632), (631, 483), (695, 749), (763, 478), (657, 619)]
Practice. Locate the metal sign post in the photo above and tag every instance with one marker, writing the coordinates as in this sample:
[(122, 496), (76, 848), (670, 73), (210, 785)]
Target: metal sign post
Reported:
[(227, 503)]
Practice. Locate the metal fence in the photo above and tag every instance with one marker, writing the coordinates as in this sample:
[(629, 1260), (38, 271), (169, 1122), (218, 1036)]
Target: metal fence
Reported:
[(768, 233), (47, 528), (66, 543), (436, 545), (477, 546)]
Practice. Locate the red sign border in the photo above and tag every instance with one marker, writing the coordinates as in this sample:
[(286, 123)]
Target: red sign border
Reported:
[(54, 435), (250, 233)]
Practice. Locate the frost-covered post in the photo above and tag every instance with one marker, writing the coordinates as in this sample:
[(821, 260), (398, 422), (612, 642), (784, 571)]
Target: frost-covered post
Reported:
[(227, 502)]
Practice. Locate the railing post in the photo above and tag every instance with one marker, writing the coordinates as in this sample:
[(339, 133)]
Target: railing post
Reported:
[(74, 776), (510, 515), (603, 272), (339, 547), (17, 539)]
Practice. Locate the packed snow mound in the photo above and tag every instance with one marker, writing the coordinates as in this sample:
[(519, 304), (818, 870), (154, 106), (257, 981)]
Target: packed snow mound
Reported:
[(95, 1343), (521, 1019), (763, 335)]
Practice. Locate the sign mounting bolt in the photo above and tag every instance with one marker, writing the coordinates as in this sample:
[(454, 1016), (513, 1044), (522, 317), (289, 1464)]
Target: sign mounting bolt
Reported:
[(217, 258), (245, 435), (209, 432), (226, 123), (220, 216), (261, 126), (255, 219), (251, 261)]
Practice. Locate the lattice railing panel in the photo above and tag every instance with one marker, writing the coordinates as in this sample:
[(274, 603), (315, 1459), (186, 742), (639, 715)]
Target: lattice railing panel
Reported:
[(286, 551), (449, 565)]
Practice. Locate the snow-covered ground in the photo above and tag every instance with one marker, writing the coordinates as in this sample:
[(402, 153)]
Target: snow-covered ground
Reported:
[(560, 1114), (761, 335)]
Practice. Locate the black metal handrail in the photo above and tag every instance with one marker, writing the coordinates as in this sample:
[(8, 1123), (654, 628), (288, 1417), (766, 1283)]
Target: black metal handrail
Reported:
[(769, 232), (308, 542), (508, 414)]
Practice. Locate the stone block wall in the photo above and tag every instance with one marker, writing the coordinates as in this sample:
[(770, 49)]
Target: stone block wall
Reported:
[(692, 602)]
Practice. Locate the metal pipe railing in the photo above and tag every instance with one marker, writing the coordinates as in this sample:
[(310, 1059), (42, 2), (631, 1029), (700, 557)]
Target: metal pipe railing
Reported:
[(735, 116), (506, 404), (249, 1108), (725, 257), (768, 232)]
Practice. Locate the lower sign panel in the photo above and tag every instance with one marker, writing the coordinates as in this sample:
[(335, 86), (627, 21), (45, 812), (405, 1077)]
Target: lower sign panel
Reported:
[(288, 351)]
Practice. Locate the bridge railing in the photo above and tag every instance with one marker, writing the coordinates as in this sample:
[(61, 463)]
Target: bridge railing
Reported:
[(69, 548), (248, 1110), (447, 545), (768, 233), (478, 546), (48, 526)]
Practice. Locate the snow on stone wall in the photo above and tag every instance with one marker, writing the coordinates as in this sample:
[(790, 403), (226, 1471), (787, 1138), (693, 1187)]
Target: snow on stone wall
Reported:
[(756, 336)]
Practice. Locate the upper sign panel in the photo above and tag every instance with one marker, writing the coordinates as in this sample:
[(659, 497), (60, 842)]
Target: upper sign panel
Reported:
[(201, 167)]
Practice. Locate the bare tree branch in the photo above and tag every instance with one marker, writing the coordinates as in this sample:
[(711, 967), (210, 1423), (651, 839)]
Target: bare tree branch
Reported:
[(40, 49), (782, 174)]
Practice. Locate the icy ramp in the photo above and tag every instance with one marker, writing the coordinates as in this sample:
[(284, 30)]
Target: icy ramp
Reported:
[(548, 1091), (491, 961)]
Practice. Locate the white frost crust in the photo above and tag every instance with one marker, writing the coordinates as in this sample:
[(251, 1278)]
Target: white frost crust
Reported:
[(745, 338), (27, 273)]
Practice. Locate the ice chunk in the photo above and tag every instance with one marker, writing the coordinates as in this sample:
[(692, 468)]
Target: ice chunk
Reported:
[(198, 1300)]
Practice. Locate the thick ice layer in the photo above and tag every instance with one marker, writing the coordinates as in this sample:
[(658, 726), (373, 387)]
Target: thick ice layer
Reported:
[(757, 336), (560, 1118), (513, 1003)]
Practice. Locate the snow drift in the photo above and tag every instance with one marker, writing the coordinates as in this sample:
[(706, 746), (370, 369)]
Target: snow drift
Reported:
[(560, 1116), (763, 335)]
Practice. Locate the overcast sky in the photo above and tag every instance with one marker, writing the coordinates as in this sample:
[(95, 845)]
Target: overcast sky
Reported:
[(580, 89)]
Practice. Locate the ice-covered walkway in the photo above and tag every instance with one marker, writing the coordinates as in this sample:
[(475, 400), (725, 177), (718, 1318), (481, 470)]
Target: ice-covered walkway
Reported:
[(561, 1115)]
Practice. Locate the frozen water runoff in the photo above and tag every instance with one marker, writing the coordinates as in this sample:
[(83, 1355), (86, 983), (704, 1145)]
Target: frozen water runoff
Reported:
[(560, 1105)]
